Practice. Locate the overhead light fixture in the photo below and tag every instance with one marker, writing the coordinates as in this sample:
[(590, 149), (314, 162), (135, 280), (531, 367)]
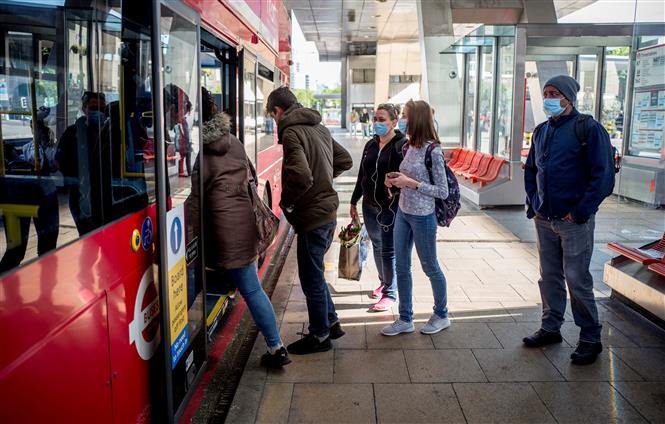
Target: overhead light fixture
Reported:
[(367, 36), (377, 16), (372, 27)]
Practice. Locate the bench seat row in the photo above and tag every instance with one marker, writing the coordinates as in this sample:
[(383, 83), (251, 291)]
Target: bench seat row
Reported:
[(476, 166)]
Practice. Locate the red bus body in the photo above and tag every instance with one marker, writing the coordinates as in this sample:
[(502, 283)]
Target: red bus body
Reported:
[(80, 325)]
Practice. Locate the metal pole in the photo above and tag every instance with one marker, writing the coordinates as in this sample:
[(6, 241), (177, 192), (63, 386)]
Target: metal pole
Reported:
[(600, 65), (495, 93), (476, 106), (517, 117), (161, 182)]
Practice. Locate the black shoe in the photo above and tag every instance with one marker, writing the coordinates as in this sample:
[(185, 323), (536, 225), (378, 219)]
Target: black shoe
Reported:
[(586, 353), (309, 344), (542, 338), (336, 331), (275, 360)]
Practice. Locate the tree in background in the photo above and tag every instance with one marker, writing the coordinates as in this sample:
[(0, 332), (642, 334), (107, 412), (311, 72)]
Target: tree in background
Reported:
[(305, 97)]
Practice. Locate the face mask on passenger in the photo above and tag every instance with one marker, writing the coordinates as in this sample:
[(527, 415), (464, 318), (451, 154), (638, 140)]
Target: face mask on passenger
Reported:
[(402, 124), (552, 107), (381, 129), (96, 118)]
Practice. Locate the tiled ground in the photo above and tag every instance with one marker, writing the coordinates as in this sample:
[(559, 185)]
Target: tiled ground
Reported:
[(477, 370)]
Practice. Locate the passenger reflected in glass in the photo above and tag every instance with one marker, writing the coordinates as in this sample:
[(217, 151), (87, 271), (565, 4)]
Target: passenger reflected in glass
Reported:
[(85, 164), (28, 192)]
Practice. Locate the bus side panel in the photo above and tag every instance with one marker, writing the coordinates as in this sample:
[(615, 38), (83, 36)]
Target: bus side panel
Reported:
[(270, 173), (134, 335), (54, 382)]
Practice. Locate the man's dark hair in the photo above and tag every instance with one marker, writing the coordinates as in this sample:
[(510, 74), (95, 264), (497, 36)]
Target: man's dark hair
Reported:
[(88, 95), (281, 97), (207, 104)]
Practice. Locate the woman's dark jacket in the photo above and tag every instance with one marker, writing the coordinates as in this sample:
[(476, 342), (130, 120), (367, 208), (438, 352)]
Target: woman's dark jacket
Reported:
[(370, 183)]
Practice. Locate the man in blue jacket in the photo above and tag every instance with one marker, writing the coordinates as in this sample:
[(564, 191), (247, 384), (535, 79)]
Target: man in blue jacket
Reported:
[(568, 173)]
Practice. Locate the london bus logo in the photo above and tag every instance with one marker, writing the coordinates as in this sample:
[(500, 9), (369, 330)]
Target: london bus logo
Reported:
[(142, 331)]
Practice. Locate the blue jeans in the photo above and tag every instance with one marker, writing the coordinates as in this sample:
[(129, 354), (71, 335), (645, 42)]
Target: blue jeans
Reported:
[(312, 247), (421, 231), (564, 252), (247, 281), (380, 224)]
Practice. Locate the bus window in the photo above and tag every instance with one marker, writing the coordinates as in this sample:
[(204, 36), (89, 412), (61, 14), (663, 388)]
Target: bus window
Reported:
[(249, 107), (265, 126), (76, 111)]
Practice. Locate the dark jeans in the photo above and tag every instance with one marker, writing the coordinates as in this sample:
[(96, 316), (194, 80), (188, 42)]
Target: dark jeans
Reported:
[(564, 251), (380, 223), (312, 247)]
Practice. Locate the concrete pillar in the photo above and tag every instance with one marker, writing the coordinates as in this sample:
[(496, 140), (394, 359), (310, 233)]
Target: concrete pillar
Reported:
[(441, 81), (344, 72)]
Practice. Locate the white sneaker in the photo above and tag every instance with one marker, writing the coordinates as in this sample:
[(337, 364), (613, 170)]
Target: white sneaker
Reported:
[(435, 324), (398, 327)]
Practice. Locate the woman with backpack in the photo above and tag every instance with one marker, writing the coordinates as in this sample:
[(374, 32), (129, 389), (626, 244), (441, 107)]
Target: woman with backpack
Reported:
[(416, 221), (382, 154)]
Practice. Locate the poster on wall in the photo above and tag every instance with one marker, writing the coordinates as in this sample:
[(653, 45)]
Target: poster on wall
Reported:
[(648, 122)]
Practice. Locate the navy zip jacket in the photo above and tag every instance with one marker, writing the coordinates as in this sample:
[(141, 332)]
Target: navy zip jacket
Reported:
[(373, 169), (562, 176)]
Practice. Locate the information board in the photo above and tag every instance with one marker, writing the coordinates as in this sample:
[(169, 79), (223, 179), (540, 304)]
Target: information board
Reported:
[(177, 282), (648, 121)]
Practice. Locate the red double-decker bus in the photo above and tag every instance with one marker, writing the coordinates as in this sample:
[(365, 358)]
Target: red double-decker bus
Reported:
[(105, 308)]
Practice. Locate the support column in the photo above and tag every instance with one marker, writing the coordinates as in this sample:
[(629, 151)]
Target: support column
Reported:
[(344, 72), (441, 82)]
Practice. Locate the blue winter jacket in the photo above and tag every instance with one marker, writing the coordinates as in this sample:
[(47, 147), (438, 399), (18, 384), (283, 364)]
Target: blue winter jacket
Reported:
[(562, 176)]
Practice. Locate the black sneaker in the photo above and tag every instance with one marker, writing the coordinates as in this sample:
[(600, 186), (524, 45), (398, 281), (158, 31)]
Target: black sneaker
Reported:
[(542, 338), (309, 344), (275, 360), (586, 353), (336, 331)]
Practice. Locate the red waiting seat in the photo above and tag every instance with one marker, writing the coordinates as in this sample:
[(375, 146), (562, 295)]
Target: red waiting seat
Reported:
[(473, 166), (649, 254), (658, 267), (454, 156), (460, 159), (480, 169), (492, 173), (468, 160)]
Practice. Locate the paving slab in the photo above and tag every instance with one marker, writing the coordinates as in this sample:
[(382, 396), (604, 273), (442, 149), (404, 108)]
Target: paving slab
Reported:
[(587, 402), (417, 403), (332, 403), (509, 403)]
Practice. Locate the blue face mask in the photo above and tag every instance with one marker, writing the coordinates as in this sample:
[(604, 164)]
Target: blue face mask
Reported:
[(381, 129), (403, 125), (96, 118), (553, 107)]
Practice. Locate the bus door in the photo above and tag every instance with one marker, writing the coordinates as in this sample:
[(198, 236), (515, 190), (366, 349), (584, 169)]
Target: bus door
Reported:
[(219, 73), (177, 126)]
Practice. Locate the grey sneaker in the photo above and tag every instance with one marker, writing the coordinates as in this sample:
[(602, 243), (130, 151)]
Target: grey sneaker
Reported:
[(435, 324), (398, 327)]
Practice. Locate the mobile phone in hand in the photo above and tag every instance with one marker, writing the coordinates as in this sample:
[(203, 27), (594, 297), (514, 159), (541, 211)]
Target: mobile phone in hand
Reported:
[(393, 174)]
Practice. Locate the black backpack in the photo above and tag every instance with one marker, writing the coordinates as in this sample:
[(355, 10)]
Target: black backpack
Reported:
[(581, 129), (446, 209)]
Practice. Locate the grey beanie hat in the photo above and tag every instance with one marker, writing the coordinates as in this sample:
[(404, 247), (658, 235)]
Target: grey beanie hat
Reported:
[(566, 86)]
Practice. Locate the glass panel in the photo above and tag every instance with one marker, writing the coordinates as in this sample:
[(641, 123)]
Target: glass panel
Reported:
[(265, 125), (588, 77), (505, 97), (470, 98), (249, 79), (648, 120), (614, 93), (180, 74), (486, 96), (537, 73), (80, 163)]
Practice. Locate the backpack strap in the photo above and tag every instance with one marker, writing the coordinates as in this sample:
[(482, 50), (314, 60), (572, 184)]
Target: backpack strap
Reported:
[(581, 128), (428, 160), (536, 131)]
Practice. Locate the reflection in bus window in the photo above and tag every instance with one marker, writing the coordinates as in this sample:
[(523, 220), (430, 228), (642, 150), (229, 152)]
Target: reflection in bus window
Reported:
[(75, 127), (249, 109)]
